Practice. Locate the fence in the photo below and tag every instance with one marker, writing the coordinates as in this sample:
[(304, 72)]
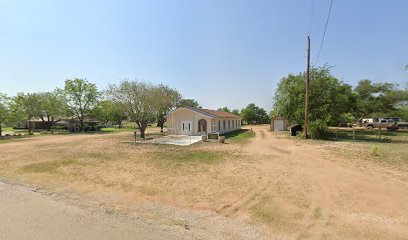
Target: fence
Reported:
[(371, 135)]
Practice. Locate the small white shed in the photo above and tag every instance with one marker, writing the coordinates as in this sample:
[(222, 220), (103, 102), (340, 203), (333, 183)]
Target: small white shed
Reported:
[(278, 124)]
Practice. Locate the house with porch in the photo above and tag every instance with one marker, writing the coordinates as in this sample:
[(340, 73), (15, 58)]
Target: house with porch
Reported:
[(198, 121)]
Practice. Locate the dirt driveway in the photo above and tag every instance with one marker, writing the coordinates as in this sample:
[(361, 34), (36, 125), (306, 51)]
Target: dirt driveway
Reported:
[(273, 186), (324, 195)]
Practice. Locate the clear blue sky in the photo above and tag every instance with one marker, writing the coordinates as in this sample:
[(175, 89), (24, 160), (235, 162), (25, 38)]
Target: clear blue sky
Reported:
[(222, 53)]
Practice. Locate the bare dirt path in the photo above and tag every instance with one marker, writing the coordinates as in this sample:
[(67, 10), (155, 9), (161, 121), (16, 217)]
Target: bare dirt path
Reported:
[(320, 194)]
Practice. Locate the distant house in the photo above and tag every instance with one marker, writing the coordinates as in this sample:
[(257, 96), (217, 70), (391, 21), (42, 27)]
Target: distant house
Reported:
[(90, 124), (197, 121), (71, 124), (38, 123)]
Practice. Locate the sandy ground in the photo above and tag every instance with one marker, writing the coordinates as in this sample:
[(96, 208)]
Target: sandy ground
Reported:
[(339, 197), (274, 187), (29, 215)]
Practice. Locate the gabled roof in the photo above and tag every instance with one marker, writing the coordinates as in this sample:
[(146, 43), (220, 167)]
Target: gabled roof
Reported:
[(209, 113), (214, 113)]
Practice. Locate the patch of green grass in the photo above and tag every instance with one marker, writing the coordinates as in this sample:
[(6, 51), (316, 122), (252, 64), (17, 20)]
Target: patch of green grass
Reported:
[(375, 151), (270, 213), (240, 136), (6, 140), (116, 130), (44, 167), (274, 214), (317, 213)]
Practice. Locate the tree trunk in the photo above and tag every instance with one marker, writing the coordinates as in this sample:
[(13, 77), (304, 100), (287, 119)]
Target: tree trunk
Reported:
[(49, 124), (0, 130), (142, 132), (142, 127), (160, 123), (81, 122), (120, 123)]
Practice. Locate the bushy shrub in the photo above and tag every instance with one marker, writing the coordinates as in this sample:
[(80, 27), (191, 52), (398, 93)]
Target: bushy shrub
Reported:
[(318, 129), (300, 135), (375, 151)]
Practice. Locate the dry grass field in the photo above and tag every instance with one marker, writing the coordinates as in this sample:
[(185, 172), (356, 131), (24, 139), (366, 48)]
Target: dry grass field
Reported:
[(289, 188)]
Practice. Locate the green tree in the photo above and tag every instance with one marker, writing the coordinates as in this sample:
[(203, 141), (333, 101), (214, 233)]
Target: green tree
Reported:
[(188, 103), (379, 99), (4, 110), (329, 98), (45, 106), (52, 105), (81, 97), (254, 114), (224, 109), (25, 106), (16, 111), (166, 100), (138, 100), (109, 111), (236, 112)]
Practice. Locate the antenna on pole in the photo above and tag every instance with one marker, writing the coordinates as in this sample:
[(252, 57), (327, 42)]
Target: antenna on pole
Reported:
[(307, 88)]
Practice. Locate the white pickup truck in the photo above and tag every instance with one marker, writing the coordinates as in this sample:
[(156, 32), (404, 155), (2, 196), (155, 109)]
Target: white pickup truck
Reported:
[(388, 123)]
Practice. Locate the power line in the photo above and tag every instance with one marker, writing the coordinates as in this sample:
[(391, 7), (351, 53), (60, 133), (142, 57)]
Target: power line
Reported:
[(311, 17), (324, 33)]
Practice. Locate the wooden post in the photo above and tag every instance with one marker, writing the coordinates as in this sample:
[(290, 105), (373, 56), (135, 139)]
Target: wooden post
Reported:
[(135, 135), (337, 130), (379, 133), (307, 88)]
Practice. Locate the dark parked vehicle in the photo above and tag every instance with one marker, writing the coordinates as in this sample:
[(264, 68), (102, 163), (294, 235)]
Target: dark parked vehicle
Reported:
[(294, 129)]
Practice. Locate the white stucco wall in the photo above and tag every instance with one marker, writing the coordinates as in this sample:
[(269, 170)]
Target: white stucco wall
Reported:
[(230, 124), (175, 120)]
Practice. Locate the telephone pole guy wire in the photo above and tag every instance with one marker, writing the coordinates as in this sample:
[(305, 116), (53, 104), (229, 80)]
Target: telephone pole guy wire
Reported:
[(324, 33), (311, 18)]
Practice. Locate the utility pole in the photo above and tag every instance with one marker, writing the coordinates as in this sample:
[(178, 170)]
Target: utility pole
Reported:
[(307, 88)]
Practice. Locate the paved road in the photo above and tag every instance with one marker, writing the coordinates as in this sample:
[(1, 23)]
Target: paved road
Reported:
[(28, 215)]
